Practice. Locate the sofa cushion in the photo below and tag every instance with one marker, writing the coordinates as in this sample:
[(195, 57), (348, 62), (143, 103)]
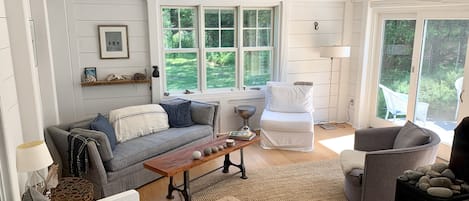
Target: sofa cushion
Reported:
[(179, 114), (199, 113), (100, 123), (148, 146), (135, 121), (104, 146), (281, 121), (411, 135)]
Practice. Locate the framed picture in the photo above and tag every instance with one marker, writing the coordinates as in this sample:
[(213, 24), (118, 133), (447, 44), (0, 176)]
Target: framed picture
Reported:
[(113, 42), (90, 71)]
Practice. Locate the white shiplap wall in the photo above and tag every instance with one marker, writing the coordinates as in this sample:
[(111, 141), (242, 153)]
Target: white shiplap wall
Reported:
[(10, 123), (355, 64), (304, 41), (83, 18)]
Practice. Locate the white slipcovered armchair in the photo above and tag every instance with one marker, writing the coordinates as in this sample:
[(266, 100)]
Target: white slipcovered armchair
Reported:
[(287, 120)]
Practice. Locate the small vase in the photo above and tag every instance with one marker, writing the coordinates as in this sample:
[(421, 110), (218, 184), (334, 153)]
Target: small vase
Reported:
[(156, 73)]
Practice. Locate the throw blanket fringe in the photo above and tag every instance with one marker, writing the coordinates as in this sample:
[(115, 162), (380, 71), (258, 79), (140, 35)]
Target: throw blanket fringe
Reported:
[(78, 154)]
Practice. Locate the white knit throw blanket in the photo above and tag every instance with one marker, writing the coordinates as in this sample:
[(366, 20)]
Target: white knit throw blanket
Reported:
[(135, 121)]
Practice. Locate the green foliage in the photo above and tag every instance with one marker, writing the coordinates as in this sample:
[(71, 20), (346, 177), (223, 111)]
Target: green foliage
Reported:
[(181, 71), (221, 70), (442, 63)]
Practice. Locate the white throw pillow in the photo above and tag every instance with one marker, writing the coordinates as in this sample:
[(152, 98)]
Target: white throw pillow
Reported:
[(135, 121), (268, 91), (292, 98)]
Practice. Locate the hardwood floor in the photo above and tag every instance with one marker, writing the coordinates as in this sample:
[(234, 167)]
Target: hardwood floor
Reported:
[(255, 158)]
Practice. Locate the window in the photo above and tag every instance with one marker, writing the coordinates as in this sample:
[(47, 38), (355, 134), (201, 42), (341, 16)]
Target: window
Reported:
[(180, 42), (209, 60), (257, 32), (220, 56)]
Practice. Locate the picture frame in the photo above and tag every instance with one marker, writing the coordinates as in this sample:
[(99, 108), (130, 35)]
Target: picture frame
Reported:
[(90, 71), (113, 42)]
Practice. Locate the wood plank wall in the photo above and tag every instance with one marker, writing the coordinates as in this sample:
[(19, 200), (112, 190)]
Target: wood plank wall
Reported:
[(10, 123), (87, 15), (304, 62)]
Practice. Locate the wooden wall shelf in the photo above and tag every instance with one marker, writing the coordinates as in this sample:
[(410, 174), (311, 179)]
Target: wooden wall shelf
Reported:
[(104, 82)]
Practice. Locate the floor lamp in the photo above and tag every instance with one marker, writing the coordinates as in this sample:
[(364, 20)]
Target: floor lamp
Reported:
[(332, 52)]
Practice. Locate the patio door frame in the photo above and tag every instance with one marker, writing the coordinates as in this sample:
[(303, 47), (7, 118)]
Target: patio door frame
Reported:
[(420, 16)]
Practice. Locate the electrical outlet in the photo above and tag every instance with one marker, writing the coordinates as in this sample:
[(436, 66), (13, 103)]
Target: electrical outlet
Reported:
[(351, 102)]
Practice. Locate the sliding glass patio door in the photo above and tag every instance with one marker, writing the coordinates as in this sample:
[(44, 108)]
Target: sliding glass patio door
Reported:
[(441, 75), (420, 71), (397, 36)]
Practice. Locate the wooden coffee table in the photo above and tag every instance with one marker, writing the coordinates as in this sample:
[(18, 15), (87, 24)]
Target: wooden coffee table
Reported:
[(175, 162)]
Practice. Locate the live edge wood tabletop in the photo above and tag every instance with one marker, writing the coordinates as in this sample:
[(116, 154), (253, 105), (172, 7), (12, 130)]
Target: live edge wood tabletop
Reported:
[(179, 161)]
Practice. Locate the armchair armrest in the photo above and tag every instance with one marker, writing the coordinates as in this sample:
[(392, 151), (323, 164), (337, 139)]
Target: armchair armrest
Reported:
[(96, 172), (373, 139)]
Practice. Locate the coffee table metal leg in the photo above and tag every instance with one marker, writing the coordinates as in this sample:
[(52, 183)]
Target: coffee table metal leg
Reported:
[(227, 163), (186, 192), (241, 166), (171, 188)]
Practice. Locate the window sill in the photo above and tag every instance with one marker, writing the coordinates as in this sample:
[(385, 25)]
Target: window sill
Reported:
[(241, 94)]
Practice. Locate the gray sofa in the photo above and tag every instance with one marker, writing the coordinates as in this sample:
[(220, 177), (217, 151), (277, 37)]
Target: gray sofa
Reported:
[(121, 169), (383, 163)]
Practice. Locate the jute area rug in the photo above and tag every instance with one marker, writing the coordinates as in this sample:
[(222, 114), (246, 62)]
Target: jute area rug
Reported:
[(314, 181)]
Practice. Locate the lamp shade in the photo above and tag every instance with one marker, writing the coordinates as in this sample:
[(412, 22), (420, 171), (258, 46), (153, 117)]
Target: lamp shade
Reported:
[(334, 51), (32, 156)]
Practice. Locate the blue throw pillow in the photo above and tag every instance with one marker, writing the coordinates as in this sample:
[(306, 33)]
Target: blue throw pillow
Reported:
[(179, 114), (100, 123)]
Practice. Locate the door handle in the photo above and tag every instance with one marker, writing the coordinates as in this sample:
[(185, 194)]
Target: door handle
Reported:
[(460, 96)]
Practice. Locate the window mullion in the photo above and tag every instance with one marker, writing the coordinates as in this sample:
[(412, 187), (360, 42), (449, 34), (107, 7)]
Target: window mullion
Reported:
[(179, 28), (202, 70), (219, 28), (240, 66)]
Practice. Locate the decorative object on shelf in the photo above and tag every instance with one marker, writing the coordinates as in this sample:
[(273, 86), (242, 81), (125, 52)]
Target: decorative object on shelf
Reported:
[(196, 155), (139, 76), (90, 78), (90, 74), (112, 77), (332, 52), (31, 157), (230, 142), (113, 42), (207, 151), (156, 72)]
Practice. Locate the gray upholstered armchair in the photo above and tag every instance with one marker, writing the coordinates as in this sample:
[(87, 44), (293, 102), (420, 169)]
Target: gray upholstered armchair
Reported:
[(383, 164)]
